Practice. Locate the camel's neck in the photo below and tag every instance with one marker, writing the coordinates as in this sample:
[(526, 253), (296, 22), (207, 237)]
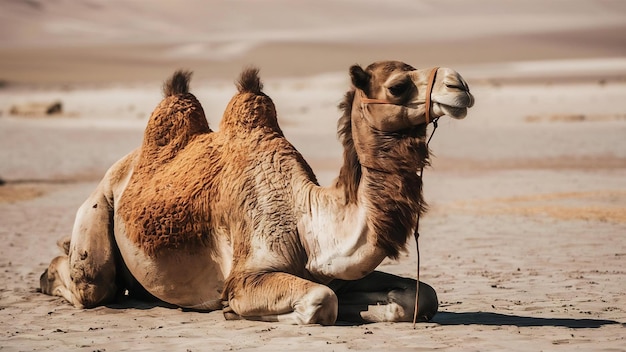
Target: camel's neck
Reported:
[(389, 185), (369, 212), (335, 237), (347, 239)]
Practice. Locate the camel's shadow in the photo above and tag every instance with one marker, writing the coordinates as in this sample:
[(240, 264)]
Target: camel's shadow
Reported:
[(488, 318), (141, 304), (441, 318)]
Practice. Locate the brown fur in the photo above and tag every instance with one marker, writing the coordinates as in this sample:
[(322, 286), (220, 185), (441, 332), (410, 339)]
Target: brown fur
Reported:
[(165, 206), (350, 172), (387, 67), (182, 180), (249, 81), (394, 185), (251, 108), (177, 84)]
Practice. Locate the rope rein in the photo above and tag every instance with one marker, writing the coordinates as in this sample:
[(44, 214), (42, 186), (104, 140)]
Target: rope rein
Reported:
[(416, 234), (429, 119)]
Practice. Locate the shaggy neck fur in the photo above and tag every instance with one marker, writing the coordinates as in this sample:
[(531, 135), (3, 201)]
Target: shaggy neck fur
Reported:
[(389, 186), (369, 212)]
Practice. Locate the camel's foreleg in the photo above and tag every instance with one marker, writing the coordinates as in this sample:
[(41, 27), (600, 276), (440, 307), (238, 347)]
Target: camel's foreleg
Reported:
[(277, 296), (86, 275), (382, 297)]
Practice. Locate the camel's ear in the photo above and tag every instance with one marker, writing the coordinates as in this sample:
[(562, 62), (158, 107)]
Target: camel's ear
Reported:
[(360, 78)]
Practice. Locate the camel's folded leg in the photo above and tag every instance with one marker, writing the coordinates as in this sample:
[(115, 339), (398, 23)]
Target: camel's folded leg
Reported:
[(282, 297), (86, 276), (383, 297)]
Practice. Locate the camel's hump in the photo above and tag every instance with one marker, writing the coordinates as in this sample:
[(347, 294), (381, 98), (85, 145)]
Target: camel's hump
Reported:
[(249, 81), (177, 84)]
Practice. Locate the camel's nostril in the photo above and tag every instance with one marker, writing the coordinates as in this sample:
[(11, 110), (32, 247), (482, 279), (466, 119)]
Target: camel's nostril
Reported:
[(455, 82), (458, 86)]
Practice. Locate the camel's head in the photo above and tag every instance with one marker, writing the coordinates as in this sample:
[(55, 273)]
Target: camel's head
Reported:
[(392, 94)]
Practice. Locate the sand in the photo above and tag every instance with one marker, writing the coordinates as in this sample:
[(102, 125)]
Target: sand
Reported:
[(525, 240)]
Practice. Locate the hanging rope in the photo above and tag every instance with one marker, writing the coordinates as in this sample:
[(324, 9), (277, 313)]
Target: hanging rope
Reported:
[(417, 234)]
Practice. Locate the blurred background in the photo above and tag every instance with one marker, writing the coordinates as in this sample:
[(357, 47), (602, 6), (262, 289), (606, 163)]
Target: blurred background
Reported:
[(69, 41), (98, 64)]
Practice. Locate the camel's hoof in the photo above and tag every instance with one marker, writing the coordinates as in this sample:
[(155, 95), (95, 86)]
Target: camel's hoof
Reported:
[(232, 316), (44, 283), (229, 313)]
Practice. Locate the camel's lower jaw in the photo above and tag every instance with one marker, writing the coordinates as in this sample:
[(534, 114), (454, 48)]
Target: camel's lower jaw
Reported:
[(454, 105), (458, 113)]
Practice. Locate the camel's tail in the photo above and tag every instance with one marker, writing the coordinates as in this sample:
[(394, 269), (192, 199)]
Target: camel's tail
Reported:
[(177, 84), (249, 81)]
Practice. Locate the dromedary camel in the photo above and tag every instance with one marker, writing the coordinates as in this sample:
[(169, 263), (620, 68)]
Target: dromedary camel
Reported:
[(235, 220)]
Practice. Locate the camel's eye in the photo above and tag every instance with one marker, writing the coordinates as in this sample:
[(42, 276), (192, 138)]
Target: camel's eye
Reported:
[(400, 88)]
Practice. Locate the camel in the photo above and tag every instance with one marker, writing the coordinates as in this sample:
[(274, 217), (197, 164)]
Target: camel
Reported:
[(235, 219)]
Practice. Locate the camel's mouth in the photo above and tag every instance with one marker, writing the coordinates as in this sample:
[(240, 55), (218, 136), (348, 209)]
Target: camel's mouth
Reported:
[(454, 112), (455, 105), (451, 95)]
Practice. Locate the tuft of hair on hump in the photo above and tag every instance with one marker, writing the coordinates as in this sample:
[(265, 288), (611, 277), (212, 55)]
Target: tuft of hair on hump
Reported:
[(249, 81), (177, 84)]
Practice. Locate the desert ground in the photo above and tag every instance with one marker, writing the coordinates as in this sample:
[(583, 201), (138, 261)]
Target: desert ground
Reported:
[(525, 239)]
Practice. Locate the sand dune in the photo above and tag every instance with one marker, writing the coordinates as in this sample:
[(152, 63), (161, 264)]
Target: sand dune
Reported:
[(113, 41)]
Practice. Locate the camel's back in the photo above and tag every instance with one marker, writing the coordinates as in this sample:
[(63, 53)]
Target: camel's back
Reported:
[(191, 181)]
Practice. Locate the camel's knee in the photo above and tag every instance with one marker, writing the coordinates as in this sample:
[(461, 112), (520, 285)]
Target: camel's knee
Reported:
[(78, 289), (89, 295), (92, 285), (318, 306)]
